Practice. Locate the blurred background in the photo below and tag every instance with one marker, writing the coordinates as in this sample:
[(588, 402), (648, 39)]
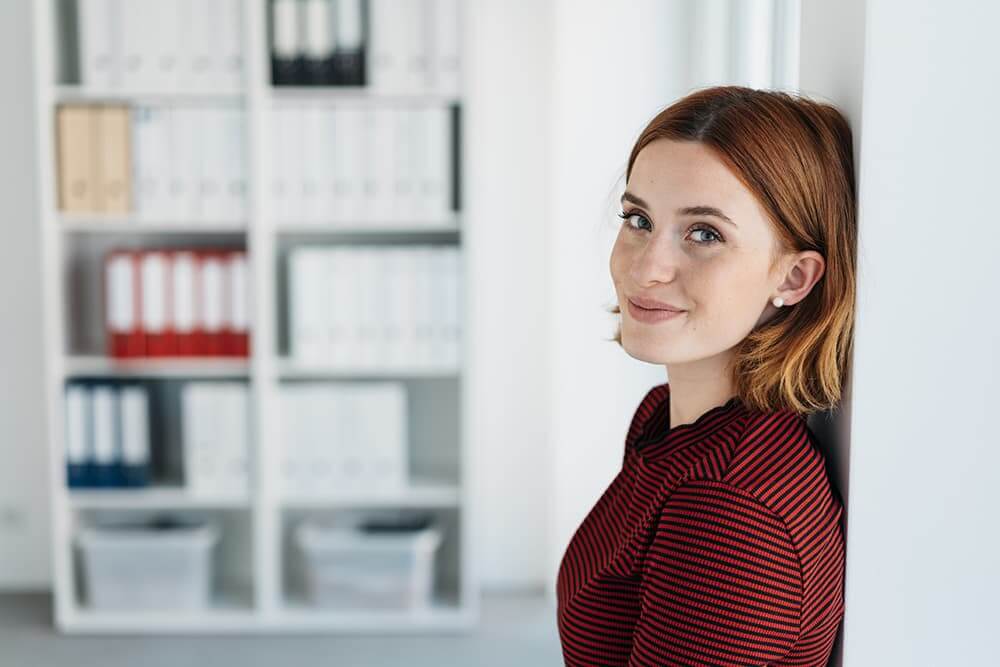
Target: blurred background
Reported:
[(304, 309)]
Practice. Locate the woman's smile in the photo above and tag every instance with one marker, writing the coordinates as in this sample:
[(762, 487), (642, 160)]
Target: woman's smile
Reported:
[(651, 316)]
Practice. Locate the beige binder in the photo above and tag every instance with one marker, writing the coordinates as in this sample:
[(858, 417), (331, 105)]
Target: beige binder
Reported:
[(114, 151), (77, 158)]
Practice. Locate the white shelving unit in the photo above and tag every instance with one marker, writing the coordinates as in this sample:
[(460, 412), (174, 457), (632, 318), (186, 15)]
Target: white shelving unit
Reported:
[(253, 559)]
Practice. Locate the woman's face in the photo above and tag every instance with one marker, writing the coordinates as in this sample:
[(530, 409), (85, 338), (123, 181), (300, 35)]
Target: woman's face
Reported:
[(715, 271)]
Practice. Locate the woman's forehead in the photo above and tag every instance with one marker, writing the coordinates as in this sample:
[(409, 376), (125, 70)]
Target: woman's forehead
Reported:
[(673, 175)]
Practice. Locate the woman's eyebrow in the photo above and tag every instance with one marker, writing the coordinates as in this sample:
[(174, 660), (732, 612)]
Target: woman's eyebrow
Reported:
[(688, 210)]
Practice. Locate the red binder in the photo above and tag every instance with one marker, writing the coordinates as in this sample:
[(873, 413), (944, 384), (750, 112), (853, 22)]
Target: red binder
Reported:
[(185, 304), (213, 302), (155, 282), (122, 304), (238, 325)]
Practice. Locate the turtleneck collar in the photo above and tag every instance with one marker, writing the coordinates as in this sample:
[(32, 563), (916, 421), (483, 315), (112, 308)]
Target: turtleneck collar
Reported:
[(658, 438)]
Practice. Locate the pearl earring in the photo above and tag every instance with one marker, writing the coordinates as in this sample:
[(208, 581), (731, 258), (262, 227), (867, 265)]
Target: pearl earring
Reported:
[(778, 302)]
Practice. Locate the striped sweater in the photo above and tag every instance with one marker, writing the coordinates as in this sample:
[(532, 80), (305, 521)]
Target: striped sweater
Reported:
[(718, 543)]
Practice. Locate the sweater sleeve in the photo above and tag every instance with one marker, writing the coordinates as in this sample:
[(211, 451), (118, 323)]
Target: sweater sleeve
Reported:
[(722, 582)]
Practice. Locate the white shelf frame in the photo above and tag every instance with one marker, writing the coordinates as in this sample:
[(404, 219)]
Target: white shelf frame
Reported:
[(266, 609)]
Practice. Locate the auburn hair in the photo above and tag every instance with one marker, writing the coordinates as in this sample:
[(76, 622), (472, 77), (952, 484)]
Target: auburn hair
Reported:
[(796, 156)]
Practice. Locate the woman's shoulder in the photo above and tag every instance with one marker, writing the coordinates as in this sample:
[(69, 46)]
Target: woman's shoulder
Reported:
[(777, 459)]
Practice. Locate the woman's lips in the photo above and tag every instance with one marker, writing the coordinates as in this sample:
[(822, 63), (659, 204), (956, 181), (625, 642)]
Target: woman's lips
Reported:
[(652, 316)]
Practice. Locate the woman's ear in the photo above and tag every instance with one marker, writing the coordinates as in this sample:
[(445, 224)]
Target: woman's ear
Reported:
[(803, 271)]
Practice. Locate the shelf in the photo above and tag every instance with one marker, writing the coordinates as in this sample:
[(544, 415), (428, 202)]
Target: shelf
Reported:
[(418, 494), (97, 223), (76, 93), (149, 498), (290, 369), (384, 229), (231, 610), (300, 94), (253, 561), (167, 367), (295, 617)]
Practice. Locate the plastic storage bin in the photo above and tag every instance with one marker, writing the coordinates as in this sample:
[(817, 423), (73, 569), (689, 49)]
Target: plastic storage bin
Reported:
[(158, 564), (369, 563)]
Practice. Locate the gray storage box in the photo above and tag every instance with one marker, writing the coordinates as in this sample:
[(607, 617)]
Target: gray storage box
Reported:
[(147, 565), (347, 566)]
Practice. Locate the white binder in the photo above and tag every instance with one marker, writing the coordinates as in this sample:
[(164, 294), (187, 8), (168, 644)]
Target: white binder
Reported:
[(215, 432), (233, 205), (104, 402), (436, 166), (307, 268), (238, 299), (287, 144), (380, 205), (405, 205), (134, 403), (79, 436), (350, 163), (160, 34), (185, 164), (151, 163), (326, 164), (136, 17), (100, 43), (312, 160), (445, 73), (229, 42), (211, 136)]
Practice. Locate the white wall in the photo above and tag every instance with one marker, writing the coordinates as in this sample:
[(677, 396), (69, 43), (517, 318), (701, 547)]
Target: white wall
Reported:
[(24, 523), (831, 68), (615, 66), (508, 83), (922, 579)]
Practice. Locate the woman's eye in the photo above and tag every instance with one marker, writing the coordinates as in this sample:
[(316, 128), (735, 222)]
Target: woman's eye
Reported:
[(710, 236), (628, 216), (713, 236)]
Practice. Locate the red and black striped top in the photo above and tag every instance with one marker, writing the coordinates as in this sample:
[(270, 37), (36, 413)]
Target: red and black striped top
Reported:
[(718, 543)]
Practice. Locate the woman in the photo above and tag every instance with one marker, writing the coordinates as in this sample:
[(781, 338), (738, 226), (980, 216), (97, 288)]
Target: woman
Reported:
[(720, 540)]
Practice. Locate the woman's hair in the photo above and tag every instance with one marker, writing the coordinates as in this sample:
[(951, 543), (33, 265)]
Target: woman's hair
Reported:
[(796, 156)]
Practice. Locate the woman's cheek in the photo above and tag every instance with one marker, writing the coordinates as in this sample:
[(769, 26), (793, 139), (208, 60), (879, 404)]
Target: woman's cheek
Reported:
[(620, 257)]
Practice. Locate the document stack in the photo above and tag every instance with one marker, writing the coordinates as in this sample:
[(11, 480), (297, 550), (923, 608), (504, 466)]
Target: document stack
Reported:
[(176, 302), (409, 46), (318, 42), (414, 46), (216, 434), (190, 163), (95, 158), (107, 435), (341, 437), (375, 306), (163, 163), (161, 45), (349, 165)]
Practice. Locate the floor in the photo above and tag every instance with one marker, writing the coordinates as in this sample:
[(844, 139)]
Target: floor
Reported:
[(516, 629)]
